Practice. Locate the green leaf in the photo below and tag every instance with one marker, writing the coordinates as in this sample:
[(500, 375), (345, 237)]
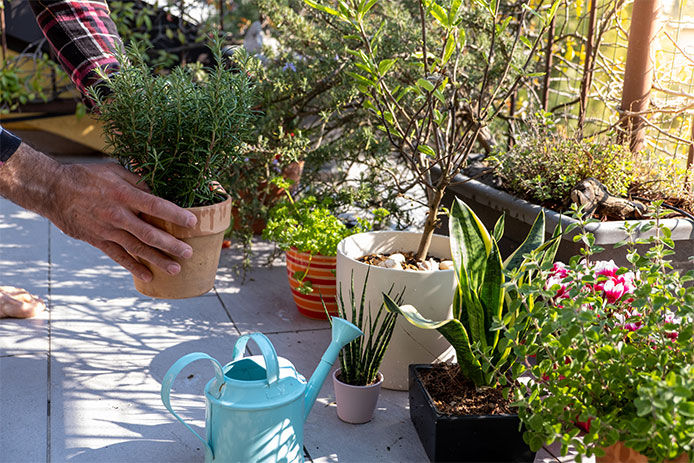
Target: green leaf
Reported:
[(492, 293), (470, 242), (361, 79), (439, 13), (536, 236), (499, 227), (451, 329), (385, 65), (449, 49), (425, 84), (453, 11), (428, 150)]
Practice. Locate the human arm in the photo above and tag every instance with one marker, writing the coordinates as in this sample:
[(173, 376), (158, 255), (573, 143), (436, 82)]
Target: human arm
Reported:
[(99, 204)]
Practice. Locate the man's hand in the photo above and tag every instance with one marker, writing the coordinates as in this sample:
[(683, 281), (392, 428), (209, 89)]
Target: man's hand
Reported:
[(99, 204)]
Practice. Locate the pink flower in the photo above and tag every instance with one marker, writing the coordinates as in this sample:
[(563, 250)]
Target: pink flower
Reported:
[(605, 268), (559, 270)]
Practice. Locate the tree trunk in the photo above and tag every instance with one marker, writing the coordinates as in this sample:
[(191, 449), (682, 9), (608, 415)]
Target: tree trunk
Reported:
[(431, 222)]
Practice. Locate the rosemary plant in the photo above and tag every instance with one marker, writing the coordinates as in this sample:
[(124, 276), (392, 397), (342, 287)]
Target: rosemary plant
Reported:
[(361, 358), (178, 131)]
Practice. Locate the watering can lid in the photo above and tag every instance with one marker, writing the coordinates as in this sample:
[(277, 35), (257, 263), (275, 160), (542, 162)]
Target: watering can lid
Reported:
[(247, 387)]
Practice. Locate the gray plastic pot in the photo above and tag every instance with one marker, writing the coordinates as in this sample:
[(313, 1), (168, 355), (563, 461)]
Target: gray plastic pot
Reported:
[(489, 203), (356, 404)]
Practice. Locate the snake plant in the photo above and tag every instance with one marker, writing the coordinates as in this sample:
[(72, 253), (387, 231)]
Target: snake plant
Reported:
[(481, 305)]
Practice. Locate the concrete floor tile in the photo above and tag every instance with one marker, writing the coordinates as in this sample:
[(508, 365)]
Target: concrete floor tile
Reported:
[(263, 302), (24, 336), (110, 356), (23, 408), (23, 249)]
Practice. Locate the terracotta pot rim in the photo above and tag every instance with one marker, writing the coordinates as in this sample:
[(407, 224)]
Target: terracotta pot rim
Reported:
[(221, 220), (227, 197), (352, 386)]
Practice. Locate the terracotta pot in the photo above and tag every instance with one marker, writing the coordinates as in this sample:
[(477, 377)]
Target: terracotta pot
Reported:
[(320, 275), (268, 195), (431, 292), (197, 273), (356, 404), (619, 453)]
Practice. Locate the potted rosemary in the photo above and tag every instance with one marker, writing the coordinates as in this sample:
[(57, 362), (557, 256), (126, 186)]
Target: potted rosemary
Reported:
[(358, 381), (178, 132)]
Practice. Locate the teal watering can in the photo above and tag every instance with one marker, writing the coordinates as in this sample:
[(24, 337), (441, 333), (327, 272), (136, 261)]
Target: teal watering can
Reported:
[(256, 406)]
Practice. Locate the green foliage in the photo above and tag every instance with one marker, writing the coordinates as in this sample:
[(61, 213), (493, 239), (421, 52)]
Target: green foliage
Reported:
[(308, 226), (361, 358), (453, 74), (23, 79), (182, 130), (546, 164), (481, 302), (613, 349)]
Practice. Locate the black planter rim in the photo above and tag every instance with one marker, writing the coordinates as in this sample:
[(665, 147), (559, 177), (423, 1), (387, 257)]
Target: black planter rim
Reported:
[(415, 367)]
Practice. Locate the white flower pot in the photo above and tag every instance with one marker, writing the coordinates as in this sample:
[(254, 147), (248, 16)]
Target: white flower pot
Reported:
[(430, 292)]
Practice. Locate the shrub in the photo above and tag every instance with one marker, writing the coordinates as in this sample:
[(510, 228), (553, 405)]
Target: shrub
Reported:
[(545, 165)]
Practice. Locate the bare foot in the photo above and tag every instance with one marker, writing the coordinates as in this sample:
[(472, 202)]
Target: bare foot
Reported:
[(18, 303)]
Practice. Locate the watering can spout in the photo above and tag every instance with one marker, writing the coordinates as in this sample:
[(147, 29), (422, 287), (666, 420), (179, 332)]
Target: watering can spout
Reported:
[(343, 332)]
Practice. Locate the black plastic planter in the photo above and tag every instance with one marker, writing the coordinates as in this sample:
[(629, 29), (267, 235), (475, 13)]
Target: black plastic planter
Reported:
[(464, 438)]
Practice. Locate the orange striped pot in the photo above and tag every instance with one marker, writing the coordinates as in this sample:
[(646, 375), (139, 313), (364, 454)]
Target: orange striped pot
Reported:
[(320, 275)]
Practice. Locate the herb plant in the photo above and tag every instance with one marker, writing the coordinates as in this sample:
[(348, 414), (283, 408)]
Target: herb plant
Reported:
[(308, 226), (613, 352), (545, 165), (361, 358), (481, 301), (178, 131)]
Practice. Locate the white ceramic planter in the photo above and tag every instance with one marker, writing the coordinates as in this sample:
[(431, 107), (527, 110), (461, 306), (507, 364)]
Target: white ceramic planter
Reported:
[(430, 292), (356, 404)]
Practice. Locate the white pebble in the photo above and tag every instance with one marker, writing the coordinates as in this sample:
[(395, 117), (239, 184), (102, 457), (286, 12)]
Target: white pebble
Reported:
[(446, 265), (391, 263)]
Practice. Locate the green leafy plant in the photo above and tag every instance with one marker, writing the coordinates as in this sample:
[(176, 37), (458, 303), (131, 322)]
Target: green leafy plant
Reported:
[(481, 303), (308, 226), (613, 351), (178, 131), (434, 101), (546, 164), (361, 358)]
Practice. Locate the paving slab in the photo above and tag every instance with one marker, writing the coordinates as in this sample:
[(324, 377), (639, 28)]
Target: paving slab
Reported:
[(109, 358), (24, 244), (260, 300), (23, 404)]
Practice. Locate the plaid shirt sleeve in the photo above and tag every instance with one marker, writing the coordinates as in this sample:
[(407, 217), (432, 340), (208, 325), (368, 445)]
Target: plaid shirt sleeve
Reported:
[(83, 38)]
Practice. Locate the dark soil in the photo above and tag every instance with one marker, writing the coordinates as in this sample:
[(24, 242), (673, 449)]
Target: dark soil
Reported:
[(454, 394), (409, 264)]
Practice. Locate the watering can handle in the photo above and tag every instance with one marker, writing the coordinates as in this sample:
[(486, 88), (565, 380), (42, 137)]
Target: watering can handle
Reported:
[(169, 379), (266, 348)]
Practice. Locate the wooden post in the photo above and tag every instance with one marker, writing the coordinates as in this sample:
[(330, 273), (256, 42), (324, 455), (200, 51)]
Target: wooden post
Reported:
[(638, 74)]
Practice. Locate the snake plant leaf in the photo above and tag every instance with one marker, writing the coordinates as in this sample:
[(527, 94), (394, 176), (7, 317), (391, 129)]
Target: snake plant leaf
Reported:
[(535, 238), (551, 252), (451, 329), (470, 241), (499, 227), (492, 293)]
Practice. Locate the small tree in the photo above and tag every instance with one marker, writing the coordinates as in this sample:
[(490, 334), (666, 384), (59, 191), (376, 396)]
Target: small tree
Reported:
[(435, 104)]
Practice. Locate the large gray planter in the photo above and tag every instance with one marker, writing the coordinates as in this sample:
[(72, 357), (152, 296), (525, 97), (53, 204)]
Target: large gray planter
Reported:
[(488, 203)]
